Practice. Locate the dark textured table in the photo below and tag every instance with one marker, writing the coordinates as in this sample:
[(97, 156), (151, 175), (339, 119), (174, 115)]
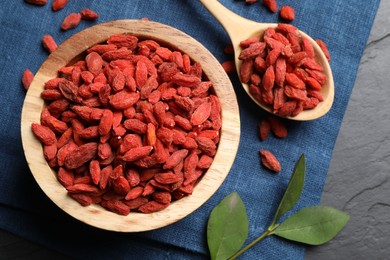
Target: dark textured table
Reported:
[(358, 178), (357, 181)]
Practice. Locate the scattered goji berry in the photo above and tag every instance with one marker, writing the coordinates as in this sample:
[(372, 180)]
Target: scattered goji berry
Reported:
[(269, 160), (48, 43), (264, 129), (58, 4), (27, 78), (71, 21), (88, 14), (229, 66), (287, 13), (278, 128), (271, 5)]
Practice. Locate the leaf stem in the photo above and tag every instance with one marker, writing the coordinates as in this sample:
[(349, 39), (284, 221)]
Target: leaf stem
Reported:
[(265, 234)]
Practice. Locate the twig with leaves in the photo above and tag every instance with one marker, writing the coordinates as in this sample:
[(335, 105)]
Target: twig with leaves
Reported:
[(227, 228)]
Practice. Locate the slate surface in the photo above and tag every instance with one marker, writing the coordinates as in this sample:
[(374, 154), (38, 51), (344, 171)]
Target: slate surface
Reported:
[(357, 180)]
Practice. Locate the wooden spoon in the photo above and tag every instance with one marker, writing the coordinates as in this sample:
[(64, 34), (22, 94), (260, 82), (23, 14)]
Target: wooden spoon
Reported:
[(239, 29), (94, 215)]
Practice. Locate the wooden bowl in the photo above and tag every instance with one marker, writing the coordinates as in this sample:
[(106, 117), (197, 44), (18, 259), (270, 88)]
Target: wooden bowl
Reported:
[(95, 215)]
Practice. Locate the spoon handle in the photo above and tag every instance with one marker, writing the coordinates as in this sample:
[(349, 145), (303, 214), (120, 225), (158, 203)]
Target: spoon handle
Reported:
[(234, 25)]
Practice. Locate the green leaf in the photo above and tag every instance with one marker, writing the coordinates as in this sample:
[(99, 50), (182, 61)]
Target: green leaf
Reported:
[(293, 191), (314, 225), (227, 227)]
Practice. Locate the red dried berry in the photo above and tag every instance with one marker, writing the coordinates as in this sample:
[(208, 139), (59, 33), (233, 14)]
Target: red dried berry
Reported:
[(287, 13)]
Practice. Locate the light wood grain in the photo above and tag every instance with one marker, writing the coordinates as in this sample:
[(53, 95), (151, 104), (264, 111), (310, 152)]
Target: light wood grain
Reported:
[(95, 215), (239, 28)]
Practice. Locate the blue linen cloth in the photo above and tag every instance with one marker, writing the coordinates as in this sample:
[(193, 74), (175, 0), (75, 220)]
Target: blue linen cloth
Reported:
[(27, 212)]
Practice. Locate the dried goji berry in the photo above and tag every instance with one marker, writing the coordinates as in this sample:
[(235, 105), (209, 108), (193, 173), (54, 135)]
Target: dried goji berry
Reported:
[(58, 4), (229, 66), (44, 134), (186, 80), (136, 153), (81, 155), (124, 99), (88, 14), (94, 171), (123, 40), (280, 71), (106, 122), (269, 78), (246, 70), (71, 21), (269, 160), (27, 78), (82, 187), (136, 203), (271, 5), (287, 13), (278, 128), (85, 199), (295, 93), (307, 47), (324, 48), (65, 177), (287, 108), (90, 132), (104, 176), (175, 158), (50, 152), (201, 114), (190, 164), (264, 129), (205, 162), (252, 50), (162, 197), (121, 185), (152, 206), (116, 206), (206, 145), (63, 152), (166, 177), (48, 43)]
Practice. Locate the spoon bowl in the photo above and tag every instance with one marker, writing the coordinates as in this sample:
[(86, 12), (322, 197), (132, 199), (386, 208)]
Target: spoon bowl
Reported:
[(239, 28), (94, 215)]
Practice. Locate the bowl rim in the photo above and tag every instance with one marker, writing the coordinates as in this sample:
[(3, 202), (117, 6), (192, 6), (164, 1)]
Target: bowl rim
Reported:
[(95, 215)]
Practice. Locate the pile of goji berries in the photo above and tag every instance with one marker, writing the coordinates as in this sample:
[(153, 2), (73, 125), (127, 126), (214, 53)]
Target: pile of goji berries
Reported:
[(131, 127), (281, 70), (280, 67)]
